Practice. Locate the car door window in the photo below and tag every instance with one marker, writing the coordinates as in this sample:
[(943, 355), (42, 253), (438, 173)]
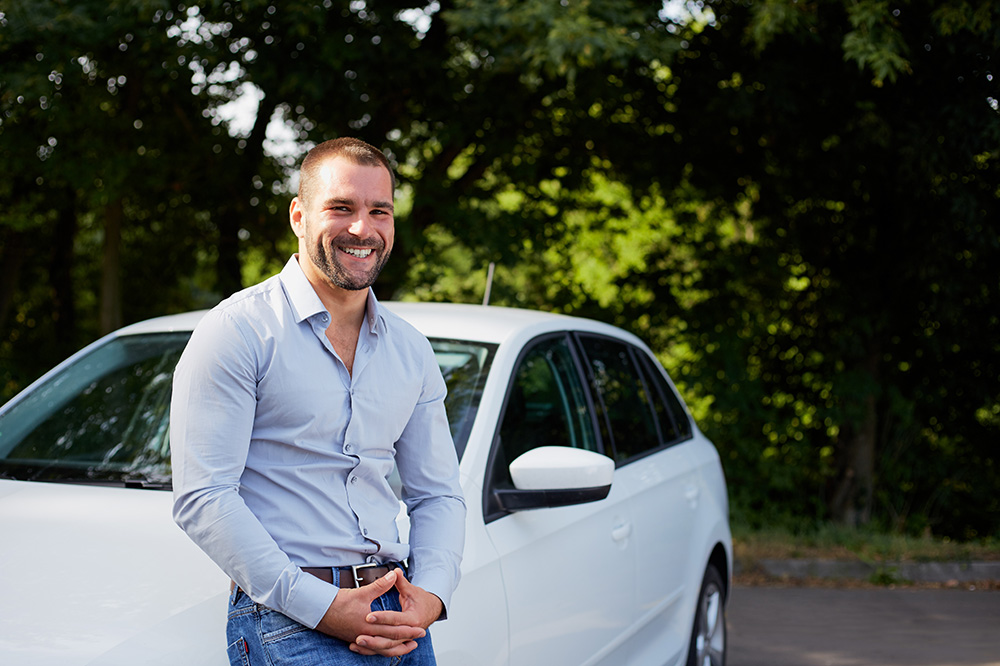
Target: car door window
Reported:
[(623, 396), (546, 406)]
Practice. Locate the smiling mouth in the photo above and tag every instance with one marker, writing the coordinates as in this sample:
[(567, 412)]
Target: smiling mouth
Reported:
[(358, 252)]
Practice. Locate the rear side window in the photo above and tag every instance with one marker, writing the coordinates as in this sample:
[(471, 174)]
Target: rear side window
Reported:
[(670, 413), (623, 395)]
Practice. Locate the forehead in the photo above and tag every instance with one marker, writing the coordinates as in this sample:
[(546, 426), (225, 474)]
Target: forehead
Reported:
[(341, 176)]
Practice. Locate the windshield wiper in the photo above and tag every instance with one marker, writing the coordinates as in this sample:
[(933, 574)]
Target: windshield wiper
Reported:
[(56, 472)]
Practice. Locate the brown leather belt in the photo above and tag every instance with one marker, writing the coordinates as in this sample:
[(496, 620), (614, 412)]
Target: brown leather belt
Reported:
[(353, 576)]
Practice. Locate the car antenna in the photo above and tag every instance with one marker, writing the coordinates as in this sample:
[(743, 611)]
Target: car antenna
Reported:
[(489, 283)]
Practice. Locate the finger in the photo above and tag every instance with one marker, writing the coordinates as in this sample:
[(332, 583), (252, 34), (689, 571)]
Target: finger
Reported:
[(394, 625), (378, 587), (354, 647), (372, 645), (393, 619), (402, 582)]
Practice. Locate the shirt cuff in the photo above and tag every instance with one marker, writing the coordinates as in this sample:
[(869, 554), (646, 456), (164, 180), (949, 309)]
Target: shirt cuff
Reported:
[(311, 600), (438, 582)]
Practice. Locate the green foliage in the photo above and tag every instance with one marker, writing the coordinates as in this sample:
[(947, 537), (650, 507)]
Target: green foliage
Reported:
[(837, 542), (88, 118), (876, 43), (862, 225), (556, 39)]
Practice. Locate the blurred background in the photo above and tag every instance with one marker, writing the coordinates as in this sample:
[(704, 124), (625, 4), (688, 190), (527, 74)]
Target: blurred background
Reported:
[(795, 203)]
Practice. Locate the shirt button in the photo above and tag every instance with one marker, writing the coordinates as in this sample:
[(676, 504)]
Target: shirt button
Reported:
[(354, 479), (347, 447), (365, 532)]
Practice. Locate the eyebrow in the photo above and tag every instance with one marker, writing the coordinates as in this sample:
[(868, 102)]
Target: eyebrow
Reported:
[(352, 202)]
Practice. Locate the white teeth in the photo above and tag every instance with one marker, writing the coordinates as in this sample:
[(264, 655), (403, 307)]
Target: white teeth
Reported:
[(360, 254)]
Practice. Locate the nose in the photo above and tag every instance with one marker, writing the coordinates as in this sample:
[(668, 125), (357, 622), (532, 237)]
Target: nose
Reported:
[(359, 226)]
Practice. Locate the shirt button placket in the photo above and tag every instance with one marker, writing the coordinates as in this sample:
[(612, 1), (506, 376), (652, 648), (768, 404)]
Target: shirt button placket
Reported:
[(348, 447)]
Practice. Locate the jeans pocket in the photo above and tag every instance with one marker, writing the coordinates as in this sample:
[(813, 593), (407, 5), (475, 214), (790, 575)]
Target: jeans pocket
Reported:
[(238, 653), (285, 641), (275, 626)]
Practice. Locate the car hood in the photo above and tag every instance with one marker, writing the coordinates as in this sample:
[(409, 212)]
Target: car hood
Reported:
[(101, 576)]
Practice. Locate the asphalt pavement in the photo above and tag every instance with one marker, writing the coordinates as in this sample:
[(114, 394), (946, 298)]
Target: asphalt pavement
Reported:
[(868, 626)]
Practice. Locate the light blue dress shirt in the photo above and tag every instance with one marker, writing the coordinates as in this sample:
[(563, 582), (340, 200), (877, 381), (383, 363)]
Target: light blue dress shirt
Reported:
[(281, 457)]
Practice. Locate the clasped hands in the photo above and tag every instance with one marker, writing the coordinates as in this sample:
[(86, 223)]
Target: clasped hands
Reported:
[(386, 633)]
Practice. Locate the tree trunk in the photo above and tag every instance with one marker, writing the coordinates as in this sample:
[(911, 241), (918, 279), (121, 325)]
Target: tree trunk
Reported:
[(231, 217), (11, 259), (111, 290), (228, 274), (852, 499), (61, 274)]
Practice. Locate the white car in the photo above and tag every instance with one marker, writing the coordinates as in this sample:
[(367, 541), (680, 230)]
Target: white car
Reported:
[(597, 525)]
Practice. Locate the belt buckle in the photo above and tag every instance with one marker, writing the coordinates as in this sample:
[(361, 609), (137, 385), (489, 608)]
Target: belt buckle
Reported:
[(358, 582)]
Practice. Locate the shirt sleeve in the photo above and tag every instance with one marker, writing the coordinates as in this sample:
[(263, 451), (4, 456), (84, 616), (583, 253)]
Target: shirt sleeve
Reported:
[(432, 493), (211, 423)]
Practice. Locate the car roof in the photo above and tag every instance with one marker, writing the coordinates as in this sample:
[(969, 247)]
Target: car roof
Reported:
[(435, 320), (475, 322), (185, 321)]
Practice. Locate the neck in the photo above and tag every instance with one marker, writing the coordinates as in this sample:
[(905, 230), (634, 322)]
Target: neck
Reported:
[(346, 307)]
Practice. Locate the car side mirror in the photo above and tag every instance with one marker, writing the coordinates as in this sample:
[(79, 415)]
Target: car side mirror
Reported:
[(551, 476)]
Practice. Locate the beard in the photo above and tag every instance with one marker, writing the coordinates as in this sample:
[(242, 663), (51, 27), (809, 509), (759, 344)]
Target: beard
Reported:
[(329, 263)]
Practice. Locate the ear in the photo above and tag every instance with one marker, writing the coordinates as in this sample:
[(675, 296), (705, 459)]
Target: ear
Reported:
[(295, 217)]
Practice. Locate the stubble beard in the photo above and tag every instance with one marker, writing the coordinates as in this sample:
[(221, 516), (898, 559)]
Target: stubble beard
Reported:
[(330, 265)]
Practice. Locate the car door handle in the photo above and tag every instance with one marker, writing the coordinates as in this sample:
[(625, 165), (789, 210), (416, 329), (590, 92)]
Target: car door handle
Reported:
[(621, 532)]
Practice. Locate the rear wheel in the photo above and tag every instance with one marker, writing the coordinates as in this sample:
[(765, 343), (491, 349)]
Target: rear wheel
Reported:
[(708, 637)]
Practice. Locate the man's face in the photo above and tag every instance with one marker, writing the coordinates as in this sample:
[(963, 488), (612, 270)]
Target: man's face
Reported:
[(346, 227)]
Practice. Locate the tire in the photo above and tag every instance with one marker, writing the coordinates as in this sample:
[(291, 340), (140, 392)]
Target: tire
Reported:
[(708, 636)]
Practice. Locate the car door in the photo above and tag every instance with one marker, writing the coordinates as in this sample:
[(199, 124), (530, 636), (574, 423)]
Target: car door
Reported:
[(567, 571), (663, 488)]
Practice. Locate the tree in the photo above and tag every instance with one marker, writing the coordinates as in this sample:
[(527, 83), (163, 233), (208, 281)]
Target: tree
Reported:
[(863, 137), (94, 100), (147, 83)]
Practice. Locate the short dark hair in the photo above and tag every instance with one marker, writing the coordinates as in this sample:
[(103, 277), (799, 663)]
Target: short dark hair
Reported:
[(355, 150)]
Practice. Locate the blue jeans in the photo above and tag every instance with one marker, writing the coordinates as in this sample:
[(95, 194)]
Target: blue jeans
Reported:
[(259, 636)]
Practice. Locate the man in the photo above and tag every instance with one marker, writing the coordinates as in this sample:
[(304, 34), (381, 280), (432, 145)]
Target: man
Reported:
[(292, 403)]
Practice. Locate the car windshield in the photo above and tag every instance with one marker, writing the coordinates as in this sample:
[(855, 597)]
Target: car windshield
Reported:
[(103, 418)]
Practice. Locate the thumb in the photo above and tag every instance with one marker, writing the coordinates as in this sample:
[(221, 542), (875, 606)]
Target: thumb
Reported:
[(402, 583), (379, 587)]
